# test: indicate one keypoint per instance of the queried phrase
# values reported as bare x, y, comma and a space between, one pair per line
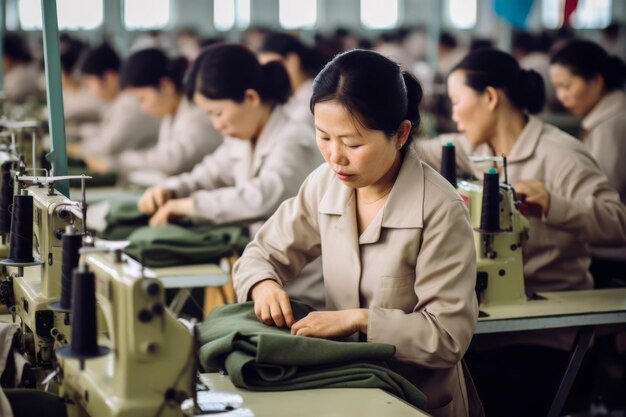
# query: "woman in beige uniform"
575, 205
123, 125
589, 84
186, 135
264, 158
395, 239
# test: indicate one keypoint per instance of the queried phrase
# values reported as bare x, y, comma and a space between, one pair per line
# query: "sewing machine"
500, 276
151, 369
500, 267
37, 285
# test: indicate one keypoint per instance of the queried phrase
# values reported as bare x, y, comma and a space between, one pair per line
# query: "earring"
399, 146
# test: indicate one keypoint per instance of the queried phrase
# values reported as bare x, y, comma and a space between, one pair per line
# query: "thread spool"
448, 163
70, 243
84, 344
6, 199
21, 238
490, 211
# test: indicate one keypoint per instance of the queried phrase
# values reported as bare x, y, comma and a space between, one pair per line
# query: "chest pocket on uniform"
396, 292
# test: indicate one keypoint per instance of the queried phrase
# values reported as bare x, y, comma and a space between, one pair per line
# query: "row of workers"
377, 199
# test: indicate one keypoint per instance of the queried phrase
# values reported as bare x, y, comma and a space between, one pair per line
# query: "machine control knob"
145, 315
151, 288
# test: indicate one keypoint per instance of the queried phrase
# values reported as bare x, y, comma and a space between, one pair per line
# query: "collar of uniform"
610, 105
403, 208
527, 141
268, 134
265, 142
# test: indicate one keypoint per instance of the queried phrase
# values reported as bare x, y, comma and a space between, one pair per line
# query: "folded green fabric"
98, 179
122, 219
171, 245
267, 358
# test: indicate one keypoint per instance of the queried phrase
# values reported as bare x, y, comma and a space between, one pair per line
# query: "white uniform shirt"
21, 82
123, 126
184, 139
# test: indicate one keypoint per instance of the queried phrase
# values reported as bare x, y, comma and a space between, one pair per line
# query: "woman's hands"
332, 324
179, 207
271, 304
534, 193
153, 198
272, 307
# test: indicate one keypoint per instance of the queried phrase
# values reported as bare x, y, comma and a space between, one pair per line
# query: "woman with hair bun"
185, 133
262, 162
589, 83
302, 64
493, 100
394, 237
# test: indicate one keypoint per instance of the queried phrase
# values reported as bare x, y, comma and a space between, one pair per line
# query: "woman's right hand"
152, 199
271, 304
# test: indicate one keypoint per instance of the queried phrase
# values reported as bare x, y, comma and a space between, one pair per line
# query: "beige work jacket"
604, 136
123, 126
584, 210
413, 268
184, 140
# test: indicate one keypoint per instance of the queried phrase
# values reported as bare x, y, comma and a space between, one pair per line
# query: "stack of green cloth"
98, 179
123, 219
267, 358
170, 245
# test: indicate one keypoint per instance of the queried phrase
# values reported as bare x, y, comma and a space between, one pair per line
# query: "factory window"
229, 14
460, 14
146, 14
379, 14
71, 14
589, 14
297, 14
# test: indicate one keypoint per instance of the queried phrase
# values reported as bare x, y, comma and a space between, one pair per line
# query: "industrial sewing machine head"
151, 368
499, 231
43, 222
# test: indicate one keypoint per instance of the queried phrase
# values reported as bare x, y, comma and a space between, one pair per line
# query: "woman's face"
230, 118
359, 156
158, 102
470, 110
577, 94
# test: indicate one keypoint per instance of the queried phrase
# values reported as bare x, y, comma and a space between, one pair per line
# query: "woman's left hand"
332, 324
97, 164
179, 207
534, 192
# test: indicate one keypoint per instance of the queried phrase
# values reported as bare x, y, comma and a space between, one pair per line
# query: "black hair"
226, 71
526, 42
587, 59
447, 39
487, 67
71, 50
99, 60
15, 48
146, 68
372, 88
311, 60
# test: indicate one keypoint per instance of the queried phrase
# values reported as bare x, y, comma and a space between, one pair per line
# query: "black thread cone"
448, 163
6, 199
71, 244
84, 331
21, 240
490, 211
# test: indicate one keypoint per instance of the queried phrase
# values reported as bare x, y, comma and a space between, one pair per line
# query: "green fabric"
266, 358
30, 402
99, 179
122, 219
171, 245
